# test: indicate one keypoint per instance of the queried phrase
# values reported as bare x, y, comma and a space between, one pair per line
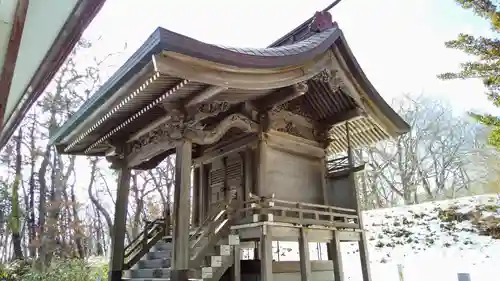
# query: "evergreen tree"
487, 64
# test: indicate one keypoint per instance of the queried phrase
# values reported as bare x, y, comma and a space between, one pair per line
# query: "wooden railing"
338, 164
135, 250
272, 209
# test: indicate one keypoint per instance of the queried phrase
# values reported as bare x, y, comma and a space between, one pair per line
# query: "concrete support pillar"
180, 263
119, 225
305, 261
266, 255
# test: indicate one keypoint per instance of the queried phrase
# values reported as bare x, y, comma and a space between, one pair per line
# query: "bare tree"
430, 162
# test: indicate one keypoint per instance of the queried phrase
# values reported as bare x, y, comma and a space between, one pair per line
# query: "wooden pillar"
256, 251
225, 183
261, 166
324, 182
237, 263
202, 192
335, 255
119, 225
305, 261
180, 264
363, 255
363, 249
266, 255
196, 196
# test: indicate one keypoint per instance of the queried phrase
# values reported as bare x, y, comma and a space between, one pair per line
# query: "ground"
433, 241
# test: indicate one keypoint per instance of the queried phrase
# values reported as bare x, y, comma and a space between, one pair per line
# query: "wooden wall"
293, 168
341, 192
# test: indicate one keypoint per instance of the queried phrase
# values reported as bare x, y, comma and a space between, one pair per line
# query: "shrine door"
226, 179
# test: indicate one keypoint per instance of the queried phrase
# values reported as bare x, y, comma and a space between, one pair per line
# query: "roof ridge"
306, 24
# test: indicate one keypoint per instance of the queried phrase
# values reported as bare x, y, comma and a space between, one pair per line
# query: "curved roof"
170, 68
162, 40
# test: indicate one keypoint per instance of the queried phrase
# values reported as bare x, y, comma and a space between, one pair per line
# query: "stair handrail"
147, 227
216, 227
152, 233
219, 207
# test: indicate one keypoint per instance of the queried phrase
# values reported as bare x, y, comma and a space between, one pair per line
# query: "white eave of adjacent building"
7, 10
48, 25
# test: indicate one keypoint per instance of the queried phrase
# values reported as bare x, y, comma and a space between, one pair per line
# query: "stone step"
159, 255
162, 247
148, 273
146, 279
224, 250
216, 261
206, 272
156, 279
155, 263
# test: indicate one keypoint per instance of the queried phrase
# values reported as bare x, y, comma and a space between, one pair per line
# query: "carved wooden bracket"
331, 77
293, 124
240, 121
324, 76
168, 135
211, 109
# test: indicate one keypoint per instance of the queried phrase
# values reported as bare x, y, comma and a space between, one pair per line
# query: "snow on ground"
433, 241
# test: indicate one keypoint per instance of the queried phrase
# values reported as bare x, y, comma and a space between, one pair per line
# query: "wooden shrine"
266, 135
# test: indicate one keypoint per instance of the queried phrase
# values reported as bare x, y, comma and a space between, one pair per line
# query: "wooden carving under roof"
175, 87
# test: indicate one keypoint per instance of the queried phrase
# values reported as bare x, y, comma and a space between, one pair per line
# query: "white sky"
398, 43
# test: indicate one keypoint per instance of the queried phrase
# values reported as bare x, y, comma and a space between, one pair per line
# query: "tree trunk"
138, 207
31, 195
15, 224
77, 225
94, 200
99, 235
42, 206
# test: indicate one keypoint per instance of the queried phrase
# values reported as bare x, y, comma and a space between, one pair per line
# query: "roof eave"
400, 125
167, 41
140, 59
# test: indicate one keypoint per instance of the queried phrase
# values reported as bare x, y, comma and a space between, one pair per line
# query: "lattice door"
216, 182
234, 173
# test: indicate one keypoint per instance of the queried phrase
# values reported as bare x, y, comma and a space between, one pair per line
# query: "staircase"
211, 250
